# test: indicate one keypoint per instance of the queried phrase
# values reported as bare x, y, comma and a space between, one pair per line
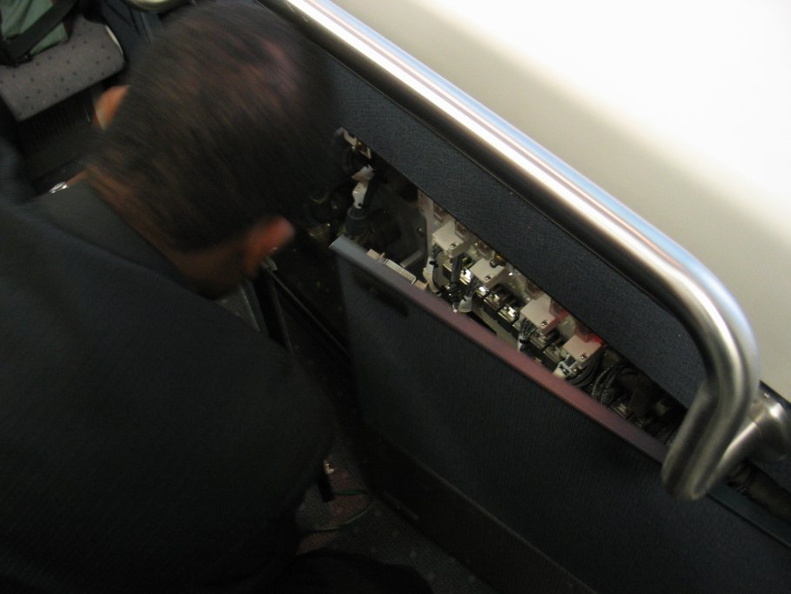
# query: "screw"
488, 277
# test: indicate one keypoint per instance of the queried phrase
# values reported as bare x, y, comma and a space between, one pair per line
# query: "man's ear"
108, 104
263, 240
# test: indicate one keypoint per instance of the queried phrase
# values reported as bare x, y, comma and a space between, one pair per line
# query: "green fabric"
18, 15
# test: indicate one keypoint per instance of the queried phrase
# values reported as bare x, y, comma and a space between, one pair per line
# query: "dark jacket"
149, 440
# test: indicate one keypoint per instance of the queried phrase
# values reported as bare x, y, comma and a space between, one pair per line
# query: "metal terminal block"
566, 368
481, 291
496, 299
582, 349
465, 278
449, 241
489, 272
543, 314
509, 313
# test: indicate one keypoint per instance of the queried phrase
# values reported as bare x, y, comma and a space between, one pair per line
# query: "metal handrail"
155, 5
664, 270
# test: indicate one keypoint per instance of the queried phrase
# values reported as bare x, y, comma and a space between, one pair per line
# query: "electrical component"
397, 268
431, 266
449, 240
543, 313
386, 215
582, 349
488, 272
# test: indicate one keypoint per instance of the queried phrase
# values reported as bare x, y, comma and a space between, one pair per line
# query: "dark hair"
227, 120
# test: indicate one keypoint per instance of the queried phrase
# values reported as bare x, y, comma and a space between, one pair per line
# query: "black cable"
585, 377
604, 389
455, 271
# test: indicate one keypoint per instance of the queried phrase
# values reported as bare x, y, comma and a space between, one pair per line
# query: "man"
14, 183
149, 440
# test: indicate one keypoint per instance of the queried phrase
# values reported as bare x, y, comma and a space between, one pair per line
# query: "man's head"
224, 127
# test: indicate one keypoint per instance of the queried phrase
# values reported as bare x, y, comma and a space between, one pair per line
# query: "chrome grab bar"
697, 458
155, 5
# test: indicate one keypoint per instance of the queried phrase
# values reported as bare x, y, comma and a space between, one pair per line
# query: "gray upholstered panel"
611, 305
587, 499
88, 57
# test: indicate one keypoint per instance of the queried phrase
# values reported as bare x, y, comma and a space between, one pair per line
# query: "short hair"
227, 121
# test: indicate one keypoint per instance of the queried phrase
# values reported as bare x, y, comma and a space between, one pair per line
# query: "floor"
356, 521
